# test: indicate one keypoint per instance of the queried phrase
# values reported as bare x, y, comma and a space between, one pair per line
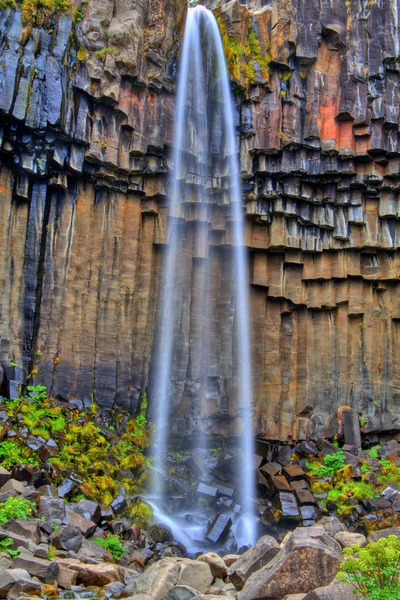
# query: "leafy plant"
374, 571
5, 547
12, 454
332, 463
52, 553
37, 391
15, 508
373, 453
111, 543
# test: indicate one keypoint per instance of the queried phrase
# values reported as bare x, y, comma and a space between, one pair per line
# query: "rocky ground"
72, 523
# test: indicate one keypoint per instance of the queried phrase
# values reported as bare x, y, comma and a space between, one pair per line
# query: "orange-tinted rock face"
84, 201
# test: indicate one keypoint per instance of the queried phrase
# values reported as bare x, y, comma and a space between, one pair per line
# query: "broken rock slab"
309, 559
219, 528
216, 563
335, 591
254, 559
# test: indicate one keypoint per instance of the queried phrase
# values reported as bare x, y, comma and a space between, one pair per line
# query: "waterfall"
204, 139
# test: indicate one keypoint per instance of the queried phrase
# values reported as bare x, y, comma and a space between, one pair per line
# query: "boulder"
27, 528
97, 574
256, 557
45, 570
4, 476
18, 541
216, 563
384, 533
332, 525
165, 574
12, 487
66, 577
335, 591
86, 526
180, 592
309, 559
52, 509
9, 577
87, 508
67, 538
114, 589
24, 588
347, 539
229, 559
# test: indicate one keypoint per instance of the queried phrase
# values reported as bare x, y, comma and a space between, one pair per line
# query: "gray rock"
332, 525
9, 577
347, 539
180, 592
45, 570
67, 538
384, 533
335, 591
52, 509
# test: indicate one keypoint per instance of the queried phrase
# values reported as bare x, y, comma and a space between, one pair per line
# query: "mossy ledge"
246, 62
39, 12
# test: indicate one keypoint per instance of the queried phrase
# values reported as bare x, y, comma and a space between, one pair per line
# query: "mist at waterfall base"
205, 174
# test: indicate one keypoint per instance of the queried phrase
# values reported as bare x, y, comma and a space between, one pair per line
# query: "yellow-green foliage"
86, 447
104, 51
374, 570
39, 12
241, 57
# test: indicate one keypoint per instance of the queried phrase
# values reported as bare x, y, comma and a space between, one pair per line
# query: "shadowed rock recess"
86, 126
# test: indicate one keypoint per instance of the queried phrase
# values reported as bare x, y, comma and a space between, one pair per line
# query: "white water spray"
192, 130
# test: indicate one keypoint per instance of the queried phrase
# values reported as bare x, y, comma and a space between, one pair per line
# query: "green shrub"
332, 464
15, 508
5, 547
12, 454
373, 453
111, 543
373, 570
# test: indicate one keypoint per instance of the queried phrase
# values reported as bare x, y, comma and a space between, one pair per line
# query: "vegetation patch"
101, 452
243, 59
113, 544
40, 12
374, 571
15, 508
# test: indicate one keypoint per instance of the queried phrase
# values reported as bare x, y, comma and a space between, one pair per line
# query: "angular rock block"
309, 559
252, 560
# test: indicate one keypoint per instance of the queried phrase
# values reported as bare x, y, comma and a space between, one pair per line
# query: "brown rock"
309, 559
216, 564
45, 570
88, 574
252, 560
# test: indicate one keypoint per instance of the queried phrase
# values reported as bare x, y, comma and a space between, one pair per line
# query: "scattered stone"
19, 541
278, 483
52, 509
86, 526
229, 559
207, 490
4, 476
9, 577
45, 570
347, 539
309, 559
115, 589
286, 503
216, 564
119, 504
67, 538
66, 488
219, 528
165, 574
304, 496
332, 525
335, 591
326, 447
27, 528
22, 588
384, 533
88, 509
270, 469
181, 592
97, 574
252, 560
306, 448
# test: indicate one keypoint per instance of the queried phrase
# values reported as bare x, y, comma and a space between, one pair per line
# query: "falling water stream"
202, 61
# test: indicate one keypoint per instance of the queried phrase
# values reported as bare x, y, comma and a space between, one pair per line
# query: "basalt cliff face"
86, 125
